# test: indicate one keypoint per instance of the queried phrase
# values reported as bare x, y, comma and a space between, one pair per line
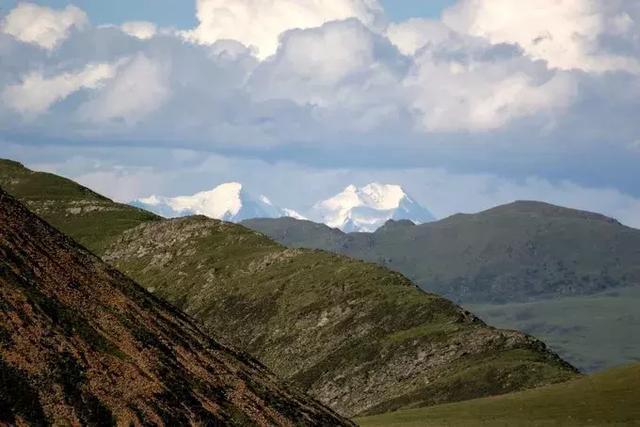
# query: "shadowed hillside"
82, 344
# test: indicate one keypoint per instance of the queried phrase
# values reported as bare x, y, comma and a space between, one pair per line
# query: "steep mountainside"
611, 398
354, 335
516, 252
70, 207
80, 344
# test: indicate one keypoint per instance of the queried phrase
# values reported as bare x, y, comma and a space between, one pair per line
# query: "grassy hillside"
93, 220
81, 344
354, 335
609, 398
512, 253
567, 277
357, 336
592, 332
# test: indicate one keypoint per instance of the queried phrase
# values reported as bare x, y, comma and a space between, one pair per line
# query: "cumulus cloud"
568, 34
259, 23
138, 89
41, 25
411, 35
141, 29
485, 89
341, 67
36, 93
351, 92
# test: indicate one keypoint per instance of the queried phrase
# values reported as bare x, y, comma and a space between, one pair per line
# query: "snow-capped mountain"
368, 208
227, 202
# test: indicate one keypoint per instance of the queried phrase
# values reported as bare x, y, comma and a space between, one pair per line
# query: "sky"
465, 103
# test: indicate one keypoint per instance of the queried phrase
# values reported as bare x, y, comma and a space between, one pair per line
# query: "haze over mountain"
81, 344
356, 336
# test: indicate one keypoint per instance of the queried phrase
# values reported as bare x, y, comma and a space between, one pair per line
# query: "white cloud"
338, 94
259, 23
485, 88
42, 26
351, 73
139, 88
35, 94
140, 29
567, 34
409, 36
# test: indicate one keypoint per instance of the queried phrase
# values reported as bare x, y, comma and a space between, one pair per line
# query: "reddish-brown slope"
82, 344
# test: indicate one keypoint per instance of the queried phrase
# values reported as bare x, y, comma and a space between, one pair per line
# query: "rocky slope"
512, 253
356, 336
80, 344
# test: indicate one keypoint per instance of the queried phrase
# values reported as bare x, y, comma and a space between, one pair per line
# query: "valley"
594, 332
608, 398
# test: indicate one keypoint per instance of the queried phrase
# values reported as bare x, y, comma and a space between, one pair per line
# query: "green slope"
354, 335
359, 337
93, 220
610, 398
512, 253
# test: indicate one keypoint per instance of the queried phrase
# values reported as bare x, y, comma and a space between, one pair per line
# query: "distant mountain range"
355, 209
354, 335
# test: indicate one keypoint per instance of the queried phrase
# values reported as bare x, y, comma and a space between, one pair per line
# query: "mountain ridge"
354, 335
362, 339
523, 265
